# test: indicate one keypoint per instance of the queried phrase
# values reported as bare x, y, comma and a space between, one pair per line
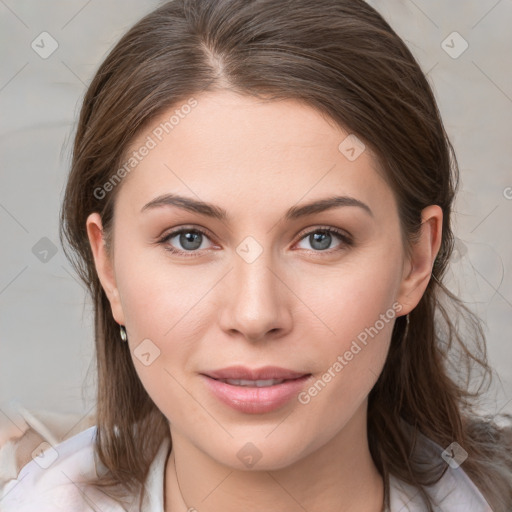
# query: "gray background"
45, 317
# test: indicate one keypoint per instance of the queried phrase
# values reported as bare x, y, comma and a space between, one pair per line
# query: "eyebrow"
295, 212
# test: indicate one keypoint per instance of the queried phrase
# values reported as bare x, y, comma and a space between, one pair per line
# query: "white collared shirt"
50, 483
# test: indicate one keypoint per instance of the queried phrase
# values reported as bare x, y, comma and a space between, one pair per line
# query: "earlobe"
423, 254
104, 265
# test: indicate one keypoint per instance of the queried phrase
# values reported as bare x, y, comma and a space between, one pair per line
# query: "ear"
104, 266
418, 268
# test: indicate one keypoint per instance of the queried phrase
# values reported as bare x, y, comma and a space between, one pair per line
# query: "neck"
338, 476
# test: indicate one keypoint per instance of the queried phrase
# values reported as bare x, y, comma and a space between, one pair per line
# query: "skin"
295, 306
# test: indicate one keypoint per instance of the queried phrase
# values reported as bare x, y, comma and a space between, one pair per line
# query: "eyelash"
346, 240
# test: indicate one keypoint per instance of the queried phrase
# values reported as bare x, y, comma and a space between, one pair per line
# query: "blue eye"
191, 239
321, 238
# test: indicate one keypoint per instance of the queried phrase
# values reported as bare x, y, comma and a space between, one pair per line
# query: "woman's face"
266, 285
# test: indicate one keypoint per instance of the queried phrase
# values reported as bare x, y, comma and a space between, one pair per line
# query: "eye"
191, 239
322, 237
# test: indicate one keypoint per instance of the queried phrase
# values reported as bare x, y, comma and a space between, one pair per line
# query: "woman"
260, 204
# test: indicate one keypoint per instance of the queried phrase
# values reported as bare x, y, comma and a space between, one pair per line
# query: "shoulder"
454, 492
53, 480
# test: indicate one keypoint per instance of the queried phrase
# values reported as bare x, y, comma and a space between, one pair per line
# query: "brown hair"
344, 60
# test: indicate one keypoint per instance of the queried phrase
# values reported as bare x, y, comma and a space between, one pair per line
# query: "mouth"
255, 395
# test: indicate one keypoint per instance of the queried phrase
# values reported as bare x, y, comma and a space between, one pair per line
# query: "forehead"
223, 145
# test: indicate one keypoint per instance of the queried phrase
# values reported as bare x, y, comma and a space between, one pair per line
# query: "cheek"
352, 352
159, 311
157, 296
166, 316
358, 310
353, 296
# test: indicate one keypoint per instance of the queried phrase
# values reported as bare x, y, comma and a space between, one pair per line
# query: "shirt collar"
455, 491
154, 497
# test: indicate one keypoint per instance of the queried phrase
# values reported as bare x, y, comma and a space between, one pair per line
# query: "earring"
122, 330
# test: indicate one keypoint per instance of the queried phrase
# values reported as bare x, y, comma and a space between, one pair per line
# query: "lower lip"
254, 400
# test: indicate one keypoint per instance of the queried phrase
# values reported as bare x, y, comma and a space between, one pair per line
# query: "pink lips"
252, 399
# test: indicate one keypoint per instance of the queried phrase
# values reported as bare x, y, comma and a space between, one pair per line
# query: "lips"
257, 374
255, 391
256, 396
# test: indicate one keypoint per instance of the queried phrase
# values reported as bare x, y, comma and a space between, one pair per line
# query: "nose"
257, 305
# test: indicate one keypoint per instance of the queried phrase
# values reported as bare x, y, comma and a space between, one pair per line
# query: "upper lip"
264, 373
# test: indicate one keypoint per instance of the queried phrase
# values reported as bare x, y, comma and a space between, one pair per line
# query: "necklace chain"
189, 508
178, 482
